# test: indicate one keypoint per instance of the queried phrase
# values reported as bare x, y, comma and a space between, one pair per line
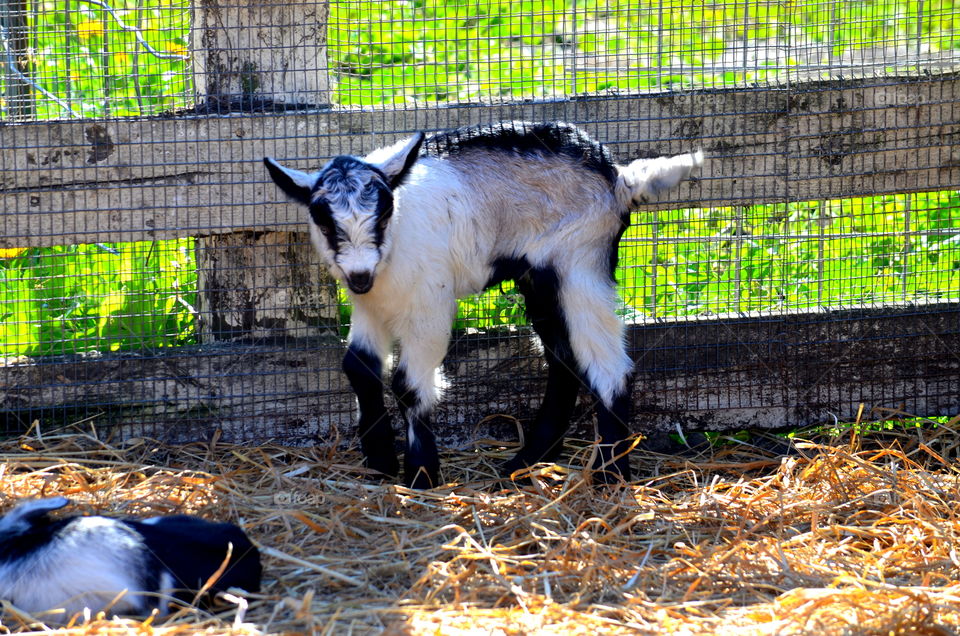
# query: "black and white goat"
123, 565
411, 228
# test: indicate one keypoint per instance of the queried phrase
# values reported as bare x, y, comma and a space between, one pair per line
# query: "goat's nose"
360, 282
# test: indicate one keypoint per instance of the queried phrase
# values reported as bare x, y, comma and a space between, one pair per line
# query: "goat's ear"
21, 519
297, 185
395, 161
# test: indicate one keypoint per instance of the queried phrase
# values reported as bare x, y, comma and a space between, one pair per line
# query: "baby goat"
411, 228
124, 565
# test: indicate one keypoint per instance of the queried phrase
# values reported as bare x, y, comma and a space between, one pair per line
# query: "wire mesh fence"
154, 280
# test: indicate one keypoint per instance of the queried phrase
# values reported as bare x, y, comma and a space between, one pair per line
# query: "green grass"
844, 253
403, 52
103, 297
691, 262
419, 51
86, 64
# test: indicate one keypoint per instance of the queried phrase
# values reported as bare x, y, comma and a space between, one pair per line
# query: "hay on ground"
847, 534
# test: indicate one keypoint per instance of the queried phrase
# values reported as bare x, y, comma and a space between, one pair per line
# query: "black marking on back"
526, 138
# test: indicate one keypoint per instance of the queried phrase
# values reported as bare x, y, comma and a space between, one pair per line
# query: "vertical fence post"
261, 53
13, 17
256, 55
263, 286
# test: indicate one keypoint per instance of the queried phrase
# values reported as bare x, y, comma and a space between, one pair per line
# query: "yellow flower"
89, 29
10, 252
177, 49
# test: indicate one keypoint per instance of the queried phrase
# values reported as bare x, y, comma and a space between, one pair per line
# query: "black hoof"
422, 478
385, 463
511, 466
421, 465
611, 472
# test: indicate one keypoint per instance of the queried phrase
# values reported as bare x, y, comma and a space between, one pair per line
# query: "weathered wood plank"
732, 373
122, 180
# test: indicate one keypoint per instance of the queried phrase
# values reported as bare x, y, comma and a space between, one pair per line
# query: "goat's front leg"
363, 366
415, 384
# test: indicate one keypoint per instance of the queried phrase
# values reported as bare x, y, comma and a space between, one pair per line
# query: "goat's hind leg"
544, 440
363, 366
597, 340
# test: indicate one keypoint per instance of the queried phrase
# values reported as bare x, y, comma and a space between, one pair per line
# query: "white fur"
596, 334
390, 158
452, 219
644, 180
96, 560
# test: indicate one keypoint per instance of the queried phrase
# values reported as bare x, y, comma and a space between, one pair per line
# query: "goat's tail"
643, 180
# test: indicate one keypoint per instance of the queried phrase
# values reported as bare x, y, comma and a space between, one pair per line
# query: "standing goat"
413, 227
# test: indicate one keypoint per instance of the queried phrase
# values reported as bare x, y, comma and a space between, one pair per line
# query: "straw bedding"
851, 534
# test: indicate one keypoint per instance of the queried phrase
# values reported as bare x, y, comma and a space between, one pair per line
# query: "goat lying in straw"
413, 227
124, 566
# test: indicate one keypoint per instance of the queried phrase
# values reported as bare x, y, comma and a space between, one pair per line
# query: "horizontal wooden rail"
725, 373
85, 181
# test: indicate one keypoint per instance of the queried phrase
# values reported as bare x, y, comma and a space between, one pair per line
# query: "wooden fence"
199, 174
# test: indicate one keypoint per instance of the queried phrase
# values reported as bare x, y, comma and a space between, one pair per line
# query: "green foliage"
102, 297
850, 252
401, 51
417, 51
683, 262
80, 54
708, 261
901, 424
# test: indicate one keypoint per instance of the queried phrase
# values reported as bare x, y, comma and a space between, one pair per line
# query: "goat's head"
351, 203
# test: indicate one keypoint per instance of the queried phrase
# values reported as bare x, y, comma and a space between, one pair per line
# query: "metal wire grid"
87, 58
159, 360
72, 58
404, 53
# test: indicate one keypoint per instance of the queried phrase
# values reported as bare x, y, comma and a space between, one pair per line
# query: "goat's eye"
325, 230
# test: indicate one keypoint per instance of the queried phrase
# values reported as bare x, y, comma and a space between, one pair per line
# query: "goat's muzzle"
360, 282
